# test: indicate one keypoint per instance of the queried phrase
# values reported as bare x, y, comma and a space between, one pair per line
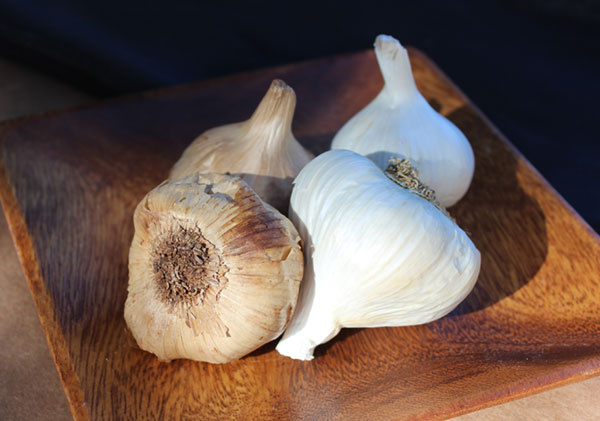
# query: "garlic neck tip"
280, 94
278, 85
295, 349
394, 64
387, 44
276, 109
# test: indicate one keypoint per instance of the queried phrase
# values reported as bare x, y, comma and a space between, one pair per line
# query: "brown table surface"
29, 384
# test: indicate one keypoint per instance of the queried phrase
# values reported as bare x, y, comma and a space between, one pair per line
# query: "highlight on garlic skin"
399, 122
376, 254
262, 150
214, 271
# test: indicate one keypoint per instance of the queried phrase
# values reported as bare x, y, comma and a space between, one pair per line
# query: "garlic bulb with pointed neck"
400, 123
376, 254
262, 150
214, 271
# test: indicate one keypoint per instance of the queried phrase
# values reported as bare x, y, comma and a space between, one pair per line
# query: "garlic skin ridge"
261, 150
375, 254
214, 272
400, 123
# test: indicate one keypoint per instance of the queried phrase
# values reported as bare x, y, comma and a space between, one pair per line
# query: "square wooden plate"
69, 182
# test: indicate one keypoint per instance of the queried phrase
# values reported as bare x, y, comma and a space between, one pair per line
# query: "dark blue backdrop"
532, 66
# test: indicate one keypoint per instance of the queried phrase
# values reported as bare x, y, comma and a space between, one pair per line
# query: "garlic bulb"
214, 272
376, 254
400, 123
261, 150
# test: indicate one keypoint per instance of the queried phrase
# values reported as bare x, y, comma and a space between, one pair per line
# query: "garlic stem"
272, 119
395, 67
309, 328
302, 343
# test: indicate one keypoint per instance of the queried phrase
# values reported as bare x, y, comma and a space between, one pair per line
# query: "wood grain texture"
70, 182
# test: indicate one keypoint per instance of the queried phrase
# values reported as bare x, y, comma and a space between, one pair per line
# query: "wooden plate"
69, 183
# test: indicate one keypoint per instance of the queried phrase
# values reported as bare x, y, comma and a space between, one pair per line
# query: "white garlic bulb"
214, 271
400, 123
376, 254
261, 150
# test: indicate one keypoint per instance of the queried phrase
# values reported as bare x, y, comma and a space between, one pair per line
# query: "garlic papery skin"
400, 123
214, 271
376, 254
262, 150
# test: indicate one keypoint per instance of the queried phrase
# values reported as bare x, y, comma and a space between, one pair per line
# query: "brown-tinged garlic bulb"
214, 271
261, 150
